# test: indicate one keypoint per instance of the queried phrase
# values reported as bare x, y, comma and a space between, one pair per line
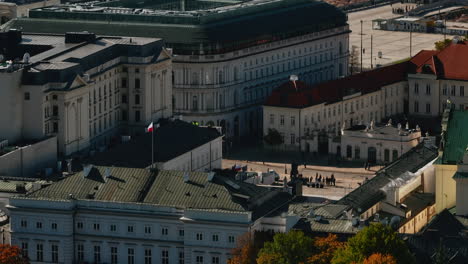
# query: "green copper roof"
456, 138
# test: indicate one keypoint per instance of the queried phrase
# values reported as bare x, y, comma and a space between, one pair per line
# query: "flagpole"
152, 148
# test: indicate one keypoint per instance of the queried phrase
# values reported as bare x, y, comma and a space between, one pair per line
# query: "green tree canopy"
376, 238
273, 137
290, 248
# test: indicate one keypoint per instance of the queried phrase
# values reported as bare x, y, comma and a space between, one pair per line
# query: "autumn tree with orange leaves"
378, 258
248, 246
325, 248
12, 255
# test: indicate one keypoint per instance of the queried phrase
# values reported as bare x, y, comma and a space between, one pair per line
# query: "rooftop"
211, 30
163, 188
455, 138
60, 58
137, 152
371, 192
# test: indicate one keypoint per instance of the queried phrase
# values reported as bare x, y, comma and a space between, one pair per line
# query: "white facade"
428, 95
206, 157
116, 97
377, 144
227, 89
311, 128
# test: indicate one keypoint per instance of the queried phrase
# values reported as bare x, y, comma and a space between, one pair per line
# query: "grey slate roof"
164, 188
171, 139
370, 192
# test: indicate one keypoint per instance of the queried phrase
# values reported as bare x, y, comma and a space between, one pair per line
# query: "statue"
407, 126
389, 123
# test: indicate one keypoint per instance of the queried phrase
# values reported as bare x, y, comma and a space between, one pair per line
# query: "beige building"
83, 89
451, 165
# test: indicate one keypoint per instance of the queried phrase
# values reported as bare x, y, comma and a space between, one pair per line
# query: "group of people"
400, 10
319, 180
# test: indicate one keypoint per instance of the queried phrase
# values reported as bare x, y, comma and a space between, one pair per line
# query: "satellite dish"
26, 57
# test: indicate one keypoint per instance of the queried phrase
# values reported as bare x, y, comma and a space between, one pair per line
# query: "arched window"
394, 155
349, 152
386, 155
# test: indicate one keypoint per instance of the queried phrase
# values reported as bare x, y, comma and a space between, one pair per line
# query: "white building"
178, 145
231, 54
111, 215
83, 89
311, 117
377, 144
438, 77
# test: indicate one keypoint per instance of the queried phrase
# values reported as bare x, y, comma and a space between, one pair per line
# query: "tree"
440, 45
325, 248
248, 247
290, 248
12, 255
273, 137
378, 258
376, 238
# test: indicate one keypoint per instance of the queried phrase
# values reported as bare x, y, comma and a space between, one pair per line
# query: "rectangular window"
39, 225
416, 88
199, 236
293, 139
55, 127
113, 228
124, 98
165, 256
215, 238
452, 92
24, 223
462, 90
416, 106
79, 225
80, 252
444, 90
97, 254
428, 89
181, 232
124, 83
148, 255
130, 229
282, 120
39, 252
54, 253
181, 257
147, 229
24, 248
131, 256
55, 110
164, 231
199, 260
293, 120
272, 119
96, 226
428, 108
215, 260
137, 116
231, 239
27, 96
54, 226
114, 255
137, 83
137, 99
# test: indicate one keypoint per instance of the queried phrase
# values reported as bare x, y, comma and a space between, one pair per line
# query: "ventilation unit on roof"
186, 177
233, 185
107, 172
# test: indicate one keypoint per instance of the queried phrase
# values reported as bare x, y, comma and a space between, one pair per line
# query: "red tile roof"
450, 63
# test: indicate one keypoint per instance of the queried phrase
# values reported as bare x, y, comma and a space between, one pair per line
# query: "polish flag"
150, 128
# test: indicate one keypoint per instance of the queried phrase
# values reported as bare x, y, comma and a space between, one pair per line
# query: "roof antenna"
294, 78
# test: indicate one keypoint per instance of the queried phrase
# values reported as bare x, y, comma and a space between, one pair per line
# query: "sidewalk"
360, 171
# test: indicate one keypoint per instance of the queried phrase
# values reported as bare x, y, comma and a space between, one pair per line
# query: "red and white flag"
150, 128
